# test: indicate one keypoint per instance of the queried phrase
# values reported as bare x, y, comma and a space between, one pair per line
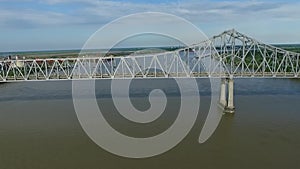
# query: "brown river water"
39, 128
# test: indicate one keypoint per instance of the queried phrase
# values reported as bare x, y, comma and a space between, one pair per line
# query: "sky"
27, 25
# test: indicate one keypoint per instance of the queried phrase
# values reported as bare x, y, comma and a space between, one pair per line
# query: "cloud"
33, 18
96, 11
198, 11
269, 21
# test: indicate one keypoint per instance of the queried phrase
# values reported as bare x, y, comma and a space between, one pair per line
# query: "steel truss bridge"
228, 55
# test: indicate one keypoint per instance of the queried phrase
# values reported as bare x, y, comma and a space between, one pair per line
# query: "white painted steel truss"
247, 57
230, 54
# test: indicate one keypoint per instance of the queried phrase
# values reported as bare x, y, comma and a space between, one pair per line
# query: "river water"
39, 128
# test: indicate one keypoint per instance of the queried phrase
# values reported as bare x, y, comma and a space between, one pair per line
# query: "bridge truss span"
245, 56
180, 63
228, 55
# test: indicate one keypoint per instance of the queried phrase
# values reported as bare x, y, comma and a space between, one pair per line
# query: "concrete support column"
223, 100
230, 105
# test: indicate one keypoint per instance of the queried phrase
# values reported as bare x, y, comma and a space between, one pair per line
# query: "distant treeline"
289, 47
111, 52
89, 52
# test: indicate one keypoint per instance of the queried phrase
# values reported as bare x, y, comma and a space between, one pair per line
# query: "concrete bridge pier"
227, 96
230, 105
223, 100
